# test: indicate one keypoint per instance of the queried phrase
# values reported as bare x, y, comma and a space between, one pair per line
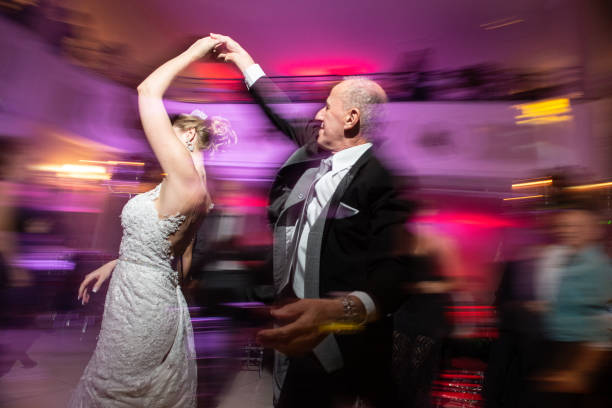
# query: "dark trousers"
514, 357
308, 385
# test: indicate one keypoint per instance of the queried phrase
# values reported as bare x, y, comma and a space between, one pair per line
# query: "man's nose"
319, 115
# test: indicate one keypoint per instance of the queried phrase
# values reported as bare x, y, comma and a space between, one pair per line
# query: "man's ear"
352, 118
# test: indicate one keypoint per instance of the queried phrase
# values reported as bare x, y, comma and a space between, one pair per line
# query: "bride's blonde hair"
212, 133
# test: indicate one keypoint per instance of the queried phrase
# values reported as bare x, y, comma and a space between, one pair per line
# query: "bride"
145, 353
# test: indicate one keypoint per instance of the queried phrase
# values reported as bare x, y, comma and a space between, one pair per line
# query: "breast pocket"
345, 211
349, 224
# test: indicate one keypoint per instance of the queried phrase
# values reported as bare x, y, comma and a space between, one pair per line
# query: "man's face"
332, 116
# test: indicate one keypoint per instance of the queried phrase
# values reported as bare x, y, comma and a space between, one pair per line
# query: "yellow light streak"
545, 120
85, 176
113, 162
544, 108
75, 171
70, 168
340, 327
538, 183
544, 112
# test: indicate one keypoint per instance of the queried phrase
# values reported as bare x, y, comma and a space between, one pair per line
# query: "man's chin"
326, 144
327, 148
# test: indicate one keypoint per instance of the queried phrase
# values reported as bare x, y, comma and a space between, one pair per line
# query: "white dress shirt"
325, 187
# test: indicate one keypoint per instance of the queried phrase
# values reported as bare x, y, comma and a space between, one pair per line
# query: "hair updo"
212, 133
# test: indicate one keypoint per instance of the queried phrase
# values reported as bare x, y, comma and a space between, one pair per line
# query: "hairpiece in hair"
222, 134
199, 114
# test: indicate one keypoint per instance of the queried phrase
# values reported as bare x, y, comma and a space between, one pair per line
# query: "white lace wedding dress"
145, 353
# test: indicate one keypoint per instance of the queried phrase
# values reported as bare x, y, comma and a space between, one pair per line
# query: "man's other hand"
302, 325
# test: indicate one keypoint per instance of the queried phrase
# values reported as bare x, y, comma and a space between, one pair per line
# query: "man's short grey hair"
367, 96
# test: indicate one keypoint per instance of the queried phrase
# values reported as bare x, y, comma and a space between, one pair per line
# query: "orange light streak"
537, 183
523, 197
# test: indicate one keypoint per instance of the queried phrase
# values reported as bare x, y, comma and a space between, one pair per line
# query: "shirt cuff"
252, 74
368, 304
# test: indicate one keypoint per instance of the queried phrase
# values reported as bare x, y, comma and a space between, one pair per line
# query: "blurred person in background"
19, 295
11, 172
532, 259
336, 212
554, 341
7, 219
145, 353
525, 255
575, 356
420, 325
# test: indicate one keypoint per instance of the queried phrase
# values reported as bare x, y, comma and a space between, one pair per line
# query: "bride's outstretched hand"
98, 277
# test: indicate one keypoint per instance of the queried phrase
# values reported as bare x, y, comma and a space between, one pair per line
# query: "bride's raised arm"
171, 153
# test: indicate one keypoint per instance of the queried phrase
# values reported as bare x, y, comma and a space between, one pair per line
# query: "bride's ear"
191, 135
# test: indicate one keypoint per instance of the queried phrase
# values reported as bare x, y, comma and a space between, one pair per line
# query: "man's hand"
230, 51
303, 325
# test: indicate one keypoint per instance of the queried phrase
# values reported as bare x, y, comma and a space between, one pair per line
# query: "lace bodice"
145, 234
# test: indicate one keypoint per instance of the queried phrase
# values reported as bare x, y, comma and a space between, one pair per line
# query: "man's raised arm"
300, 130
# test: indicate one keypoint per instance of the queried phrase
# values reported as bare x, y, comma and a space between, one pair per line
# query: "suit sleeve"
268, 96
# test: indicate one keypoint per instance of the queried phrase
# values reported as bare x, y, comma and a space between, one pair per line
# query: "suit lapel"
346, 182
299, 191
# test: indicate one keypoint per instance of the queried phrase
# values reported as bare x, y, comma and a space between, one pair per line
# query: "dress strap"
155, 192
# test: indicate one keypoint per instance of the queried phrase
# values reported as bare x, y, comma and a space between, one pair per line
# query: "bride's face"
187, 137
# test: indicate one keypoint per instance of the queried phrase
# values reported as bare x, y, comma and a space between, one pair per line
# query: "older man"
335, 212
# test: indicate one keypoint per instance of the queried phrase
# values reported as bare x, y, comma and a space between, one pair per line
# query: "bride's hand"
99, 276
203, 46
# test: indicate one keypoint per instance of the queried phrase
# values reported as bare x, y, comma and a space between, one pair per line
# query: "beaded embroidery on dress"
145, 356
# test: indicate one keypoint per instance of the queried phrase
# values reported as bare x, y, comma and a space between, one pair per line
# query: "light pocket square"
345, 211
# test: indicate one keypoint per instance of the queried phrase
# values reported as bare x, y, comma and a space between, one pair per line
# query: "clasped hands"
224, 48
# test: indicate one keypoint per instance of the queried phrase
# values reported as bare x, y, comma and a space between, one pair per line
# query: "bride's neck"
198, 161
